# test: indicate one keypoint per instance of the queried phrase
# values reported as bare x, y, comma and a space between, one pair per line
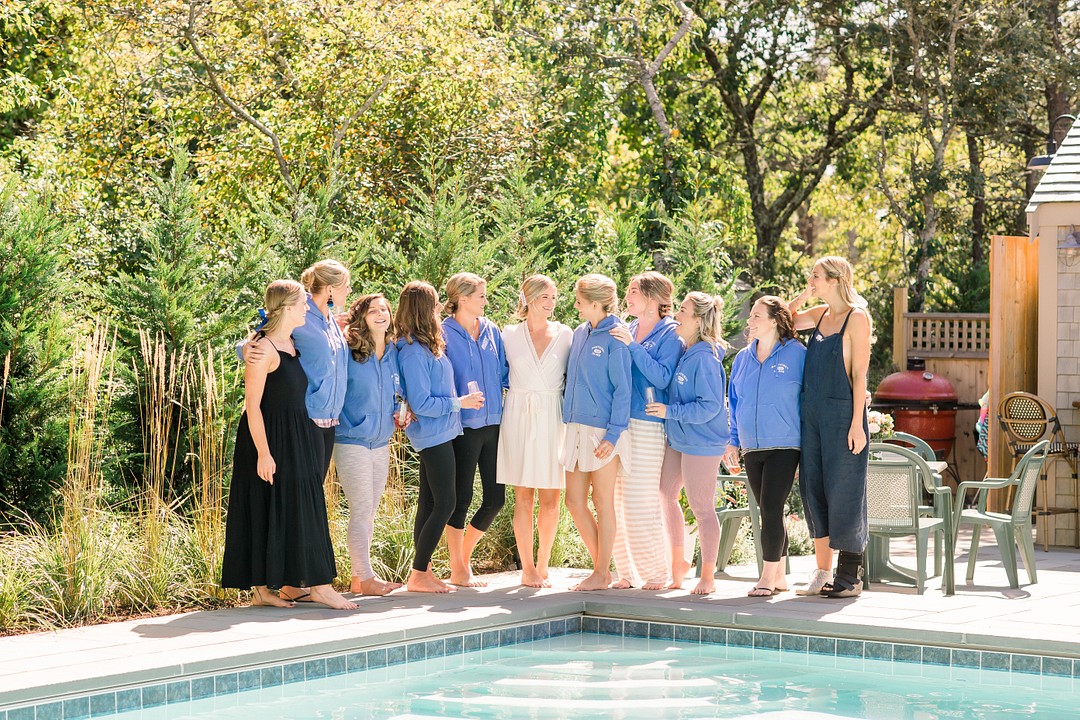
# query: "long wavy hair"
357, 332
656, 286
418, 317
839, 269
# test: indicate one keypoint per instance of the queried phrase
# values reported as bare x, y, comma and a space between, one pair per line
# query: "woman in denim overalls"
832, 475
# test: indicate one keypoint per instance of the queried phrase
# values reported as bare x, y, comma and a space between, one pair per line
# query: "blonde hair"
531, 288
655, 286
279, 294
461, 285
839, 269
325, 273
417, 318
599, 288
357, 332
709, 309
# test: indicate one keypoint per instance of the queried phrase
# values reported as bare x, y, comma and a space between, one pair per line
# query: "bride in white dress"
530, 440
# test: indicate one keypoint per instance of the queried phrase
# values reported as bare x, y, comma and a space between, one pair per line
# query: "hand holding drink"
731, 462
475, 399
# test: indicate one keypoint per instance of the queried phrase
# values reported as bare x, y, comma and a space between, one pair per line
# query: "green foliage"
34, 343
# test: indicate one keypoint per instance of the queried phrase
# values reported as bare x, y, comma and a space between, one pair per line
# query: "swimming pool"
595, 675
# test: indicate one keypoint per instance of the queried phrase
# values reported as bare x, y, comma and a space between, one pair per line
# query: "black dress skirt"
278, 534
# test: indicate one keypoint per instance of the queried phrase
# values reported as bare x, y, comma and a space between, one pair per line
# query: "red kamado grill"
921, 403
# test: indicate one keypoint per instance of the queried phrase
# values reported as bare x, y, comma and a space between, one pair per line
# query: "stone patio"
1043, 618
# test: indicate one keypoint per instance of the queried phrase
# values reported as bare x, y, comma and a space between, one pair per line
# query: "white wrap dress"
531, 436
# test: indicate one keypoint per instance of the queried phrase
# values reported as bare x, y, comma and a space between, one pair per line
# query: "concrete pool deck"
1041, 619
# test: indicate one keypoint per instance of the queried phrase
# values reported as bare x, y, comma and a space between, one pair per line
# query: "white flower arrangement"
881, 425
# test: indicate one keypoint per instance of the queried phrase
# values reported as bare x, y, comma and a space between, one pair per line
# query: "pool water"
601, 676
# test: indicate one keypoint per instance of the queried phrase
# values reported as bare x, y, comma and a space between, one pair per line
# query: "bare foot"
679, 568
532, 578
293, 593
373, 586
466, 579
621, 584
262, 597
543, 570
596, 581
705, 586
653, 586
426, 582
331, 598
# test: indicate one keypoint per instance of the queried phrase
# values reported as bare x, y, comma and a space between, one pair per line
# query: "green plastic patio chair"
1012, 528
895, 481
730, 522
940, 503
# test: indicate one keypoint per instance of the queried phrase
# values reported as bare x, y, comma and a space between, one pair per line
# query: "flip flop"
304, 598
771, 591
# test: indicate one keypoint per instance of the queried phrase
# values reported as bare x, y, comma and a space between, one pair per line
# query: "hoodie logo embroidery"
680, 378
648, 344
781, 368
597, 351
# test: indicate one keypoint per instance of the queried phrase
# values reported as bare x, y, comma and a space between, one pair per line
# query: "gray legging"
362, 473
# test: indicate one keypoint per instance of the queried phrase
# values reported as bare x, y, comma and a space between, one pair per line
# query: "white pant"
362, 474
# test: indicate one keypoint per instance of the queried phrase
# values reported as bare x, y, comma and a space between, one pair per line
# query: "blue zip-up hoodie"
428, 384
368, 416
654, 359
482, 360
697, 418
598, 385
324, 355
764, 397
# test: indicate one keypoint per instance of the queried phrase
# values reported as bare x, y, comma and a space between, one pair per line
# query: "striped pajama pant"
639, 550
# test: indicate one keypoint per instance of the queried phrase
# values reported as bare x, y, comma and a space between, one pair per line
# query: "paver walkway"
1042, 618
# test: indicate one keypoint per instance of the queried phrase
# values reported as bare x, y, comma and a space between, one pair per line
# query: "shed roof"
1061, 181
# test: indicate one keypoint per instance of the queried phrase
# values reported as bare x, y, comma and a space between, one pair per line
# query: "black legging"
474, 447
770, 474
436, 502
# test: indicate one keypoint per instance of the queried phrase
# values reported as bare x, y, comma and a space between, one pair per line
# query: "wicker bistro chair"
1012, 528
895, 480
1026, 420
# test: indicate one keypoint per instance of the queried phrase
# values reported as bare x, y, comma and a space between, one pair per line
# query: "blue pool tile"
224, 684
769, 640
849, 648
395, 655
272, 676
714, 635
1057, 666
661, 631
908, 653
376, 658
688, 633
823, 645
77, 708
50, 711
472, 642
179, 691
507, 636
453, 645
541, 631
965, 658
557, 627
525, 633
434, 648
573, 624
794, 643
878, 650
936, 656
245, 680
741, 638
203, 688
336, 665
415, 651
153, 695
633, 628
489, 639
356, 662
589, 624
290, 673
610, 626
995, 661
103, 704
23, 713
314, 669
1026, 663
128, 700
